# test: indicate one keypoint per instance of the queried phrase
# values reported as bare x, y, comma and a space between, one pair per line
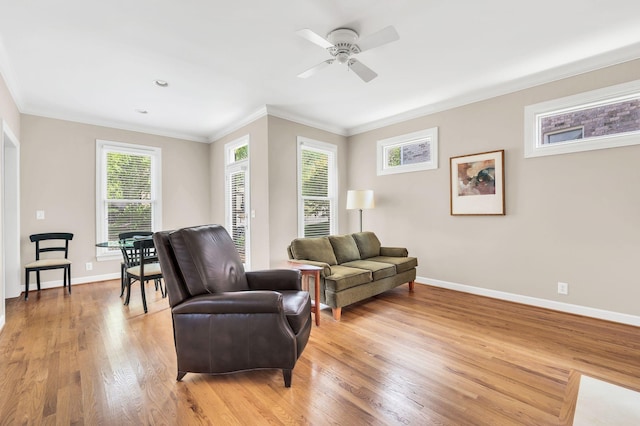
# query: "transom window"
604, 118
408, 153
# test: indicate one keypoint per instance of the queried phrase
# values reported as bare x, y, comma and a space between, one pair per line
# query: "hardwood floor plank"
433, 356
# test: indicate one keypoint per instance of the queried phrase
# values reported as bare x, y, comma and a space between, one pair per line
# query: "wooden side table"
310, 271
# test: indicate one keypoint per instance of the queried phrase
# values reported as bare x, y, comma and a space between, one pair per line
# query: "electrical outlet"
40, 214
563, 288
89, 266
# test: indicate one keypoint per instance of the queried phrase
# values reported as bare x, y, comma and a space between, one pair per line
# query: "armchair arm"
274, 279
240, 302
394, 251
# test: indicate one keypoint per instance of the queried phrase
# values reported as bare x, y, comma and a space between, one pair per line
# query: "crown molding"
92, 121
279, 113
287, 115
259, 113
607, 59
7, 76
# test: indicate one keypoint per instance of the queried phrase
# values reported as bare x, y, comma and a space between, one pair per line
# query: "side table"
310, 271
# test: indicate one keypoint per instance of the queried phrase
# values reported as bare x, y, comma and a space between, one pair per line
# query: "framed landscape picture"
477, 184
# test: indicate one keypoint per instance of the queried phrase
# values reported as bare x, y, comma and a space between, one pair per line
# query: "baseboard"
74, 281
2, 320
534, 301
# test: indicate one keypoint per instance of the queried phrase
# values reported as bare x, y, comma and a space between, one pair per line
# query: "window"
563, 135
604, 118
317, 188
408, 153
128, 191
237, 195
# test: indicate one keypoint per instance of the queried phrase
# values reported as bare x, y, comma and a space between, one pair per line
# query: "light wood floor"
430, 357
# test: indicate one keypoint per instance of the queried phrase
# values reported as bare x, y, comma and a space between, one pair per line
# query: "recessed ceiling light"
160, 83
142, 111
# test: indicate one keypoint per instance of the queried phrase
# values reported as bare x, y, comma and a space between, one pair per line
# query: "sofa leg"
336, 313
181, 374
287, 378
411, 285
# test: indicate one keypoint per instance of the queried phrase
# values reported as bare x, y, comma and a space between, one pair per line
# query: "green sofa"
354, 267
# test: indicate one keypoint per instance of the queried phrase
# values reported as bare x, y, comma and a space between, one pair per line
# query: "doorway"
10, 224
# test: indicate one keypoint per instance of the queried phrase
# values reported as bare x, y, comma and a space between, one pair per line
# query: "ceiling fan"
343, 44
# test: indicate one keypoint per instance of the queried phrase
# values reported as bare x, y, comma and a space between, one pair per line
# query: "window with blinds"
128, 200
316, 186
237, 195
128, 181
238, 216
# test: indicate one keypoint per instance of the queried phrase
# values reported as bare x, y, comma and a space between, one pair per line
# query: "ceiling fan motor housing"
343, 40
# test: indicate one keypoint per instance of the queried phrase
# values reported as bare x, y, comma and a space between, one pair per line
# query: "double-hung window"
317, 188
237, 195
128, 191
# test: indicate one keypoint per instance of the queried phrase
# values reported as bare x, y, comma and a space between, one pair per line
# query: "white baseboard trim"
534, 301
74, 281
2, 320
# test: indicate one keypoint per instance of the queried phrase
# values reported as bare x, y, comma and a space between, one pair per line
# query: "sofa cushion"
345, 248
343, 277
379, 270
401, 263
318, 249
368, 244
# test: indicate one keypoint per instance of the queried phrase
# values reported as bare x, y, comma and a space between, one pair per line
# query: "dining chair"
125, 236
46, 243
143, 266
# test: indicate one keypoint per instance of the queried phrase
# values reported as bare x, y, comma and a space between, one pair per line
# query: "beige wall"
259, 191
571, 218
273, 183
283, 188
58, 167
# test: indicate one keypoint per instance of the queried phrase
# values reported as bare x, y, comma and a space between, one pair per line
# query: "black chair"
142, 265
126, 236
49, 242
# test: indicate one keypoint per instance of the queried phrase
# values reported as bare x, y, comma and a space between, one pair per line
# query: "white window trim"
102, 146
407, 139
533, 114
333, 181
232, 167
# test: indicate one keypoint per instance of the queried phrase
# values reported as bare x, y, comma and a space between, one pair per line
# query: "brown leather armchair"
226, 319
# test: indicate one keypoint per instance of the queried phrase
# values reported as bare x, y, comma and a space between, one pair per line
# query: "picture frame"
477, 184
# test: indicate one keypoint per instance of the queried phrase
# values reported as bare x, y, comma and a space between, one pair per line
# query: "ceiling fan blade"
311, 71
384, 36
314, 38
362, 71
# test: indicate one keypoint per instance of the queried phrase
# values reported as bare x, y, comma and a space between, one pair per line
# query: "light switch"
253, 214
40, 214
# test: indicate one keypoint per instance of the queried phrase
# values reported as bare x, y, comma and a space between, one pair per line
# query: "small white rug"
602, 403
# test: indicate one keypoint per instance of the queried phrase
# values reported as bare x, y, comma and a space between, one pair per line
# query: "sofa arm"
394, 251
239, 302
326, 269
274, 279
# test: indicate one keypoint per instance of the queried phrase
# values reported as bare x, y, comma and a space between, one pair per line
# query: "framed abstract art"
477, 184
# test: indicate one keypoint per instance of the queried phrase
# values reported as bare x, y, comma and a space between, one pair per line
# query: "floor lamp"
360, 199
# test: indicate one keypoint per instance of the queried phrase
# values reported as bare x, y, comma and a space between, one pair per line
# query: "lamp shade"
360, 199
